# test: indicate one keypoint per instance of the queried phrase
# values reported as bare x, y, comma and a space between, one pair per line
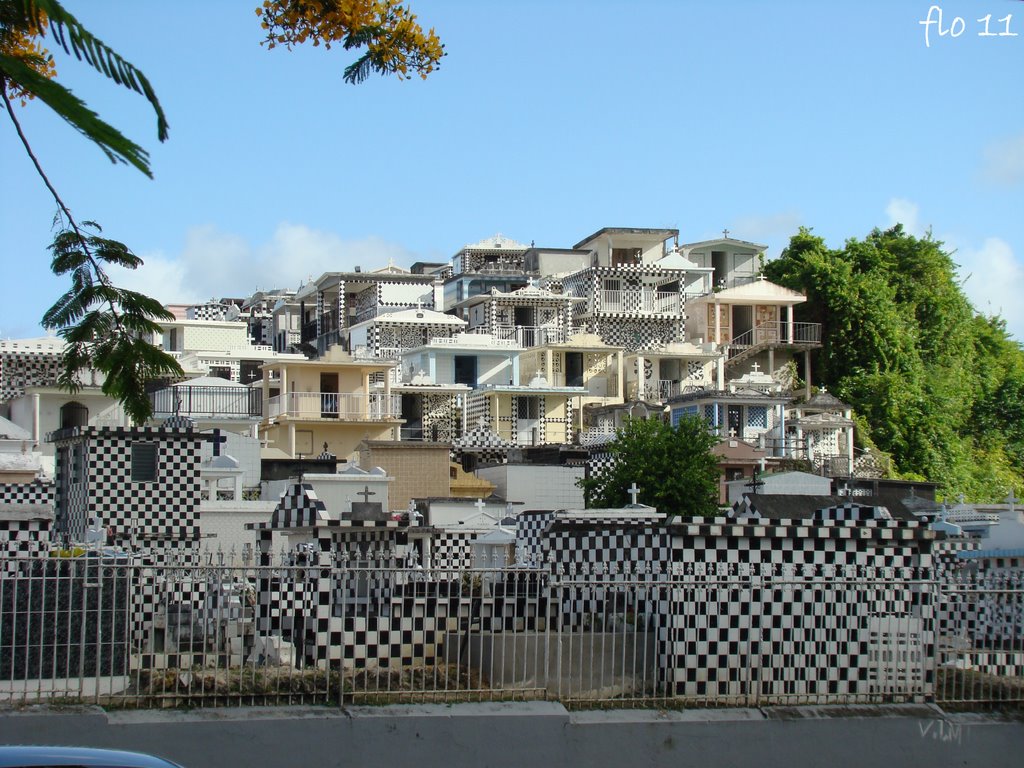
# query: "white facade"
536, 486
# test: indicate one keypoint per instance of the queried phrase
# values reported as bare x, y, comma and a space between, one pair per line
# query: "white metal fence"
205, 631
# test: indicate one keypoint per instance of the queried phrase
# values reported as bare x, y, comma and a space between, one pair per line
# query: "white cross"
419, 304
633, 492
529, 282
732, 432
755, 367
1011, 500
479, 505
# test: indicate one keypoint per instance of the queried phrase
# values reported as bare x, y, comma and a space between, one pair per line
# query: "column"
849, 443
789, 325
807, 373
718, 323
641, 381
291, 439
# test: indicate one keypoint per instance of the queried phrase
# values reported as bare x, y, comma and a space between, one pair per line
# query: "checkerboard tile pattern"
93, 479
22, 540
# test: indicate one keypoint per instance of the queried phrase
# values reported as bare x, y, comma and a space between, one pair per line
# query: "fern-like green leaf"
112, 142
75, 39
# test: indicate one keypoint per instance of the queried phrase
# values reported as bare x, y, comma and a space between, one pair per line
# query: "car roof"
86, 757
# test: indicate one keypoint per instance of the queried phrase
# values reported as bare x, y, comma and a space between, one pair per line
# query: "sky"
546, 122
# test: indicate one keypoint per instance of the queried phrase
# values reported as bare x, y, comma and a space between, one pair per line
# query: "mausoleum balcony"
207, 402
641, 302
322, 406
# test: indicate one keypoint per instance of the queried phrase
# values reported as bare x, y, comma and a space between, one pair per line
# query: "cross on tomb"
529, 282
218, 438
1011, 500
479, 505
419, 304
755, 368
725, 233
366, 493
634, 493
732, 432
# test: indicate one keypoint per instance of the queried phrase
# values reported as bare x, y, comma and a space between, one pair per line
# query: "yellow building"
327, 405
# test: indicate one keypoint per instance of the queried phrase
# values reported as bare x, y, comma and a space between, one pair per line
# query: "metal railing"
331, 405
527, 335
663, 389
776, 332
650, 302
208, 402
306, 627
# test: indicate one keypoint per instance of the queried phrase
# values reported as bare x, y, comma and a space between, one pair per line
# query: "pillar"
807, 373
849, 443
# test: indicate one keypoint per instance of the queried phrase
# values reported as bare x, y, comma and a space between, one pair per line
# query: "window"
465, 369
144, 462
250, 371
528, 408
573, 369
757, 416
73, 415
625, 256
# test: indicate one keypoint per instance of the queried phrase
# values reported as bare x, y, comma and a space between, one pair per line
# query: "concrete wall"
536, 486
537, 733
222, 523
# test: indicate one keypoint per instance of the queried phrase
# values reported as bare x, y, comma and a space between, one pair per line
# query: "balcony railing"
663, 389
647, 302
778, 333
372, 406
207, 402
529, 335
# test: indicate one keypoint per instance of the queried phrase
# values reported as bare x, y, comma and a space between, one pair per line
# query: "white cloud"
993, 278
218, 264
1003, 161
767, 226
905, 212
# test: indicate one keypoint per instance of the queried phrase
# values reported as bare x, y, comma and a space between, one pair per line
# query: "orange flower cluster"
22, 42
395, 43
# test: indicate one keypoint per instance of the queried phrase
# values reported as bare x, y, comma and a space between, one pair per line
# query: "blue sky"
546, 122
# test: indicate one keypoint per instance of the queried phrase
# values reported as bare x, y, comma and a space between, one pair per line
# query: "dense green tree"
673, 467
940, 388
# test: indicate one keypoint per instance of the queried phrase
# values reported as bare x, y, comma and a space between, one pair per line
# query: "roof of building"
415, 316
664, 234
781, 506
11, 431
824, 400
730, 240
496, 242
762, 289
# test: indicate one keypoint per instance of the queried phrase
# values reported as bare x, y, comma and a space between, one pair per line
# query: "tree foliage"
673, 467
394, 43
938, 385
25, 72
105, 327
